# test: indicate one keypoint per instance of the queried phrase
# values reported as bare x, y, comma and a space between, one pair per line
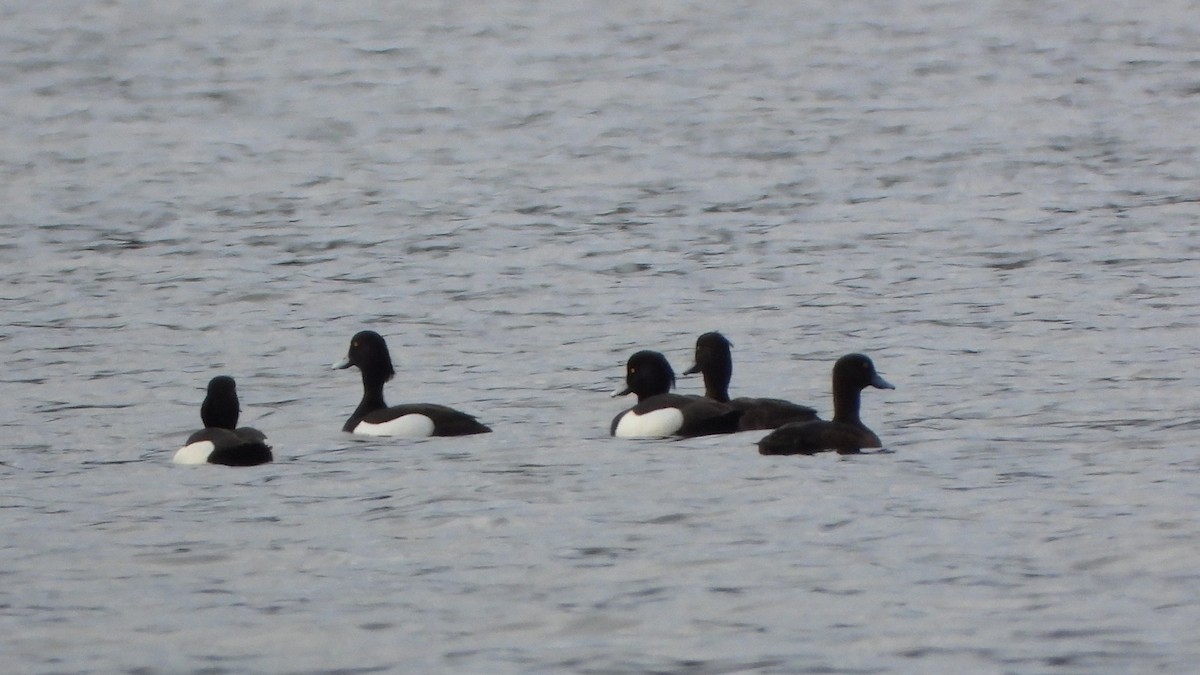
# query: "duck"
659, 413
373, 417
715, 363
845, 433
221, 441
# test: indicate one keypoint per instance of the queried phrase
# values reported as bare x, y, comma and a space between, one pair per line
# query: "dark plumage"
220, 441
845, 433
715, 362
369, 352
658, 412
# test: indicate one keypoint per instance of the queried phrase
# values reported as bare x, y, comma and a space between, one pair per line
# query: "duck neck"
845, 403
642, 395
716, 382
219, 414
372, 395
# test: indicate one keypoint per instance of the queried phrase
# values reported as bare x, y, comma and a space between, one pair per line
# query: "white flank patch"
196, 453
654, 424
407, 426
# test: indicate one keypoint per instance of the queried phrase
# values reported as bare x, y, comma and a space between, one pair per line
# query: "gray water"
997, 201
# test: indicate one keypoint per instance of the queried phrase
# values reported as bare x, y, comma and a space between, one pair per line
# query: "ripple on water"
983, 199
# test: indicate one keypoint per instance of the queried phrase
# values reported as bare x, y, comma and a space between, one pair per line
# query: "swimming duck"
369, 352
221, 441
845, 433
714, 361
659, 413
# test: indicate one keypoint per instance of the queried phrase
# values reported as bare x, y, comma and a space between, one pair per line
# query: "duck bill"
693, 370
880, 383
341, 365
622, 392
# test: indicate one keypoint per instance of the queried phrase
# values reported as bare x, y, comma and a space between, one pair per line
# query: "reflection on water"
996, 204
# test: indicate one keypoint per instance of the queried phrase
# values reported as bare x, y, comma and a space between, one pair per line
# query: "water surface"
996, 201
